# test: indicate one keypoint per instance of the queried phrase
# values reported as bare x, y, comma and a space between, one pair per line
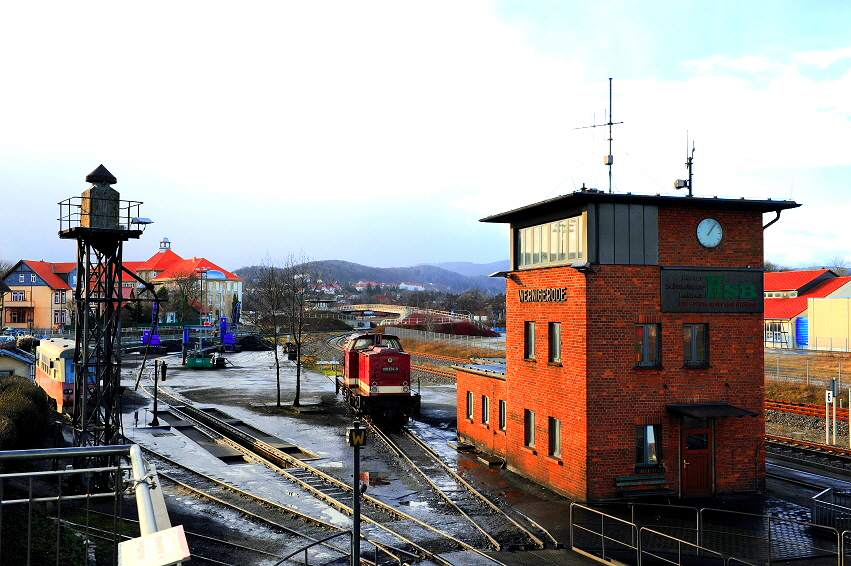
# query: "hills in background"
454, 277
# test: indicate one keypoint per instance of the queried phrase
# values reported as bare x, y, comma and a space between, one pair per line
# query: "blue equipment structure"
229, 339
150, 339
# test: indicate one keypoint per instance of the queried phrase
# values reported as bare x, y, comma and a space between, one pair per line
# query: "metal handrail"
680, 543
633, 544
311, 545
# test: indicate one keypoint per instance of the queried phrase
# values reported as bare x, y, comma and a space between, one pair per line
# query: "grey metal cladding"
651, 235
606, 232
623, 231
626, 233
591, 233
636, 233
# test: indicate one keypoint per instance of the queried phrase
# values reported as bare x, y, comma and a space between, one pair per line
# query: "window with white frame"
528, 428
554, 434
20, 277
486, 409
19, 296
59, 317
469, 405
529, 340
33, 278
554, 332
59, 297
558, 242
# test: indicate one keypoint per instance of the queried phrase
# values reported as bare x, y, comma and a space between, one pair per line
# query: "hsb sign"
711, 290
717, 289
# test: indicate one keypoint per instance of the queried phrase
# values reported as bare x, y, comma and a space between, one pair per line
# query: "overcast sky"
381, 132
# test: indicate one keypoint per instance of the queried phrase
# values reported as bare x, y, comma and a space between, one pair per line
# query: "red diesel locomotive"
377, 378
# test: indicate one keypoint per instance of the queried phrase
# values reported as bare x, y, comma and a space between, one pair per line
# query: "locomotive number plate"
390, 369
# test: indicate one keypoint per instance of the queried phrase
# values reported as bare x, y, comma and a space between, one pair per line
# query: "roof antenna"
608, 159
682, 183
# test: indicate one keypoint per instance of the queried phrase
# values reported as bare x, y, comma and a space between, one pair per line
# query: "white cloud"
822, 58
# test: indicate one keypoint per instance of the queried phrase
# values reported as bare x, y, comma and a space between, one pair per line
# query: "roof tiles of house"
160, 261
190, 266
790, 308
44, 269
790, 280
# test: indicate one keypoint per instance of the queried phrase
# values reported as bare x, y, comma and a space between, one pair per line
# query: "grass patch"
450, 350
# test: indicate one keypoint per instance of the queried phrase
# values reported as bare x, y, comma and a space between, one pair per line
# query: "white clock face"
709, 232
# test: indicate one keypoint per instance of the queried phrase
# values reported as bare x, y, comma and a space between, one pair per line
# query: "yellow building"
38, 295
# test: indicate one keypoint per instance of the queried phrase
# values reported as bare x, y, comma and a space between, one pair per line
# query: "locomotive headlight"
375, 384
404, 383
389, 360
373, 389
67, 391
405, 389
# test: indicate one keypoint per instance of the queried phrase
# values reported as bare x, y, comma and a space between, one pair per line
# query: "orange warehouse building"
634, 347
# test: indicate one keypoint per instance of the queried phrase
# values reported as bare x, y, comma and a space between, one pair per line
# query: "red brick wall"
596, 391
473, 430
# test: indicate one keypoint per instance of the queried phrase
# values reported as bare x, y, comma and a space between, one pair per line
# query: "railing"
315, 543
72, 214
602, 536
832, 508
47, 516
671, 550
682, 536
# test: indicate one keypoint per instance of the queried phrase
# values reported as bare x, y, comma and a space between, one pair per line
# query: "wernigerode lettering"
554, 295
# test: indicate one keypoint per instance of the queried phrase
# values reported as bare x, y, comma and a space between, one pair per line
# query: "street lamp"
202, 272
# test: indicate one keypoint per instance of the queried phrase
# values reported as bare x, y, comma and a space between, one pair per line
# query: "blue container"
802, 331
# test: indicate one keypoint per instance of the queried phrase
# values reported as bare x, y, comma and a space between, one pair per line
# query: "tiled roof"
44, 270
790, 280
159, 261
189, 266
790, 308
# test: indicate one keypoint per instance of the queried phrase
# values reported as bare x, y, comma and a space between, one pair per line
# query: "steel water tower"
100, 223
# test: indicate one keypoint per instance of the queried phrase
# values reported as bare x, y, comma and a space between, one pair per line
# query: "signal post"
356, 437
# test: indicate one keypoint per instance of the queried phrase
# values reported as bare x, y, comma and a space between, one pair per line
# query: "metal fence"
67, 510
662, 534
468, 343
797, 368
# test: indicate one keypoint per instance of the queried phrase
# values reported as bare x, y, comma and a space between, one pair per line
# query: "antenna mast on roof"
608, 159
682, 183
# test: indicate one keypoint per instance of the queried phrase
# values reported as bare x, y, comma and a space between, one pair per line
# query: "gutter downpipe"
773, 221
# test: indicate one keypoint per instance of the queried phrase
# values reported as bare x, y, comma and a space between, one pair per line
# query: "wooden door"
696, 465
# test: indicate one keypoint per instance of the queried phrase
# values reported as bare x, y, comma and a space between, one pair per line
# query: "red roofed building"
788, 296
39, 294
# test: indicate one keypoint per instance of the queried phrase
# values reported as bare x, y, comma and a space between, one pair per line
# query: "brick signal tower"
634, 347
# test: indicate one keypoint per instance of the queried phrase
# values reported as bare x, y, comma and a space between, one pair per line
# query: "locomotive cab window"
391, 342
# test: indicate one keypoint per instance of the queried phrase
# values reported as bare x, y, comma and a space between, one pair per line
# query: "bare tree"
269, 302
300, 279
5, 266
187, 289
840, 266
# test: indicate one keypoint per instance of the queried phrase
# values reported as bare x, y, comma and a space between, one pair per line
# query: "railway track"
494, 525
218, 551
384, 527
803, 409
825, 456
